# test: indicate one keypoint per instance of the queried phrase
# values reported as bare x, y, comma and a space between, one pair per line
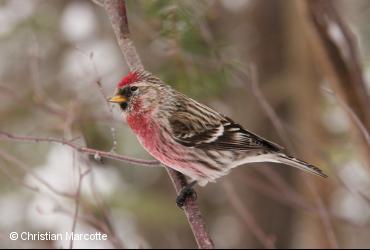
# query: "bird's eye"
133, 88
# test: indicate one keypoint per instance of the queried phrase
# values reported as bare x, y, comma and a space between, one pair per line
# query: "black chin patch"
123, 105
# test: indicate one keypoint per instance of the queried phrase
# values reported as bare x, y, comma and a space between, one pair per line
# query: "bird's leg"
186, 192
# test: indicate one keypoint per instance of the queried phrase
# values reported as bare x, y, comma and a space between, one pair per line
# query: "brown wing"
201, 127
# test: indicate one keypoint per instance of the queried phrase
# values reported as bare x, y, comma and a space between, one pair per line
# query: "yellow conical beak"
117, 99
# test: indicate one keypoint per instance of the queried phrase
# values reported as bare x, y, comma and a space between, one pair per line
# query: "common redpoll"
190, 137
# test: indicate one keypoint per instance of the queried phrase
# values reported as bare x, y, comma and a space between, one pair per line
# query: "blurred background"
255, 61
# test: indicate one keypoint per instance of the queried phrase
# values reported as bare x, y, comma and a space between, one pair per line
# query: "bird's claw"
185, 193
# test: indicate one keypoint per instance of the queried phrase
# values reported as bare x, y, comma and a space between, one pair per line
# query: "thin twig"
77, 202
77, 198
267, 241
351, 113
285, 199
98, 83
17, 180
324, 215
22, 165
98, 223
79, 148
252, 74
105, 216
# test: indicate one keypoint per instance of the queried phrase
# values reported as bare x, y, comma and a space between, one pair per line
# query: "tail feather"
285, 159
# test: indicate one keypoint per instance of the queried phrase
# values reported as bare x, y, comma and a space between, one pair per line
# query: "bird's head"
137, 92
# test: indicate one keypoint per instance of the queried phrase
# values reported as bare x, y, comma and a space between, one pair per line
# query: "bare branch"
77, 196
90, 151
116, 10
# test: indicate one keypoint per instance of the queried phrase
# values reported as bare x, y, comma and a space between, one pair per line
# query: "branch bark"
116, 10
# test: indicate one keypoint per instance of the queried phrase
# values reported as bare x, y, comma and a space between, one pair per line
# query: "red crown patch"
131, 77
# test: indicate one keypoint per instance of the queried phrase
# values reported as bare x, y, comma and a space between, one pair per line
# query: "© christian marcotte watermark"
40, 236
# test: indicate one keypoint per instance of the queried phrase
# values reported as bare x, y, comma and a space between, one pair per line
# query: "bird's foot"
185, 193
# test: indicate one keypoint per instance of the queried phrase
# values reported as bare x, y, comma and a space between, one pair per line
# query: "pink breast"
143, 127
148, 133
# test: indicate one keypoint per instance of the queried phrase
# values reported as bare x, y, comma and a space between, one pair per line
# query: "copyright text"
41, 236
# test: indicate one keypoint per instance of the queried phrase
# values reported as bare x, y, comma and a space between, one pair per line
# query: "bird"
190, 137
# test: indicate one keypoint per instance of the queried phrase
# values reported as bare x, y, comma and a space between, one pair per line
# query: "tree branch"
192, 212
90, 151
116, 10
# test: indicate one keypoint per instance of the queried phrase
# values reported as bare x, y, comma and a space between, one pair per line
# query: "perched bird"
190, 137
